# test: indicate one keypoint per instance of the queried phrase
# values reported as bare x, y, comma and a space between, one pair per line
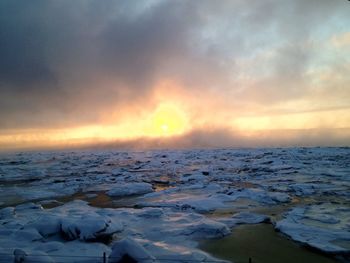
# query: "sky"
176, 73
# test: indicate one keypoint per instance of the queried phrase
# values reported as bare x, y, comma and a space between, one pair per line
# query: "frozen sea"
162, 205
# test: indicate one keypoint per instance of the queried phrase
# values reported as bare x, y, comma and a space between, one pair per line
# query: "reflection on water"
263, 245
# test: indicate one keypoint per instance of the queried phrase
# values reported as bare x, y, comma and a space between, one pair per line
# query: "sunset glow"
167, 120
125, 125
231, 71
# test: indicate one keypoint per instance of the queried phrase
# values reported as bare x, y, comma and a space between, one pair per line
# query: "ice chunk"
245, 218
27, 234
279, 197
89, 228
319, 226
250, 218
200, 203
47, 224
28, 206
130, 189
256, 194
7, 212
129, 248
302, 189
208, 229
193, 178
91, 195
151, 213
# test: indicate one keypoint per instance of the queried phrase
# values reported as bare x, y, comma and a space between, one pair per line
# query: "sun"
165, 127
167, 120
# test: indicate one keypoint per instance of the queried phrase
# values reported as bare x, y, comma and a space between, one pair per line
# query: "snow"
318, 226
201, 203
89, 227
131, 248
260, 195
72, 227
245, 218
203, 194
127, 189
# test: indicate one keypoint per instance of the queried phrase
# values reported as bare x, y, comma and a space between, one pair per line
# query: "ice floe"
319, 226
127, 189
175, 198
129, 248
73, 228
245, 218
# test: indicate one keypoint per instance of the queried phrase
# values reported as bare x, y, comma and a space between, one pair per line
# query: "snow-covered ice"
319, 226
127, 189
132, 249
160, 204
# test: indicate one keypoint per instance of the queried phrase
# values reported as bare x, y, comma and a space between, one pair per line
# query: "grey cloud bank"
58, 58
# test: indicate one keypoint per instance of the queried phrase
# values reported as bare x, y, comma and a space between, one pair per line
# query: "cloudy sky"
174, 73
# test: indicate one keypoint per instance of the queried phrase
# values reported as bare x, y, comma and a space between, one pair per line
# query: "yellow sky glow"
168, 119
174, 112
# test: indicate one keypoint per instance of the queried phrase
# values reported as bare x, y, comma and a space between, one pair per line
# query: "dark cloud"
65, 62
22, 47
68, 50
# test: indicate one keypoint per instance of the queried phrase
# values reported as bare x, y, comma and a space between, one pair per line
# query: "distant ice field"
157, 206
